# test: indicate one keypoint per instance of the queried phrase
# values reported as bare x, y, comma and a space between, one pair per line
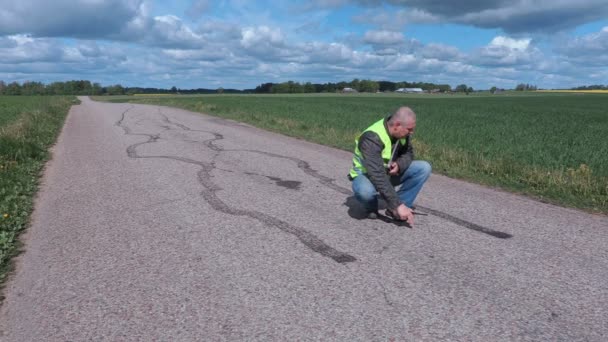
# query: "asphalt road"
157, 224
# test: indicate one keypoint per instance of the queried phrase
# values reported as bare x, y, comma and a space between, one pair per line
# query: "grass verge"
29, 125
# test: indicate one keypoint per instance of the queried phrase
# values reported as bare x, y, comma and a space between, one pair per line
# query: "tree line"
84, 87
80, 87
592, 87
365, 86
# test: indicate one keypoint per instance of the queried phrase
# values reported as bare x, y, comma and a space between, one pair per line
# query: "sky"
241, 44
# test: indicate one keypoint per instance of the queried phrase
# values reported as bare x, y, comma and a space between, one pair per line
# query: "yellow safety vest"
379, 129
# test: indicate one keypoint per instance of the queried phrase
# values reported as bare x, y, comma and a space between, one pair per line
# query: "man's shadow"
358, 212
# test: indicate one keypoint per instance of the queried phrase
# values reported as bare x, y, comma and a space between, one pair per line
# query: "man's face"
401, 131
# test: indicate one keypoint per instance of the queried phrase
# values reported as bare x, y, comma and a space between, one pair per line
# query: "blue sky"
241, 44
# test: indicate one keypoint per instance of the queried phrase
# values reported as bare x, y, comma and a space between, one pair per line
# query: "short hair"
402, 115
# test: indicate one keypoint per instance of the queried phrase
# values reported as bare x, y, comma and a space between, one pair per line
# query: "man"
384, 158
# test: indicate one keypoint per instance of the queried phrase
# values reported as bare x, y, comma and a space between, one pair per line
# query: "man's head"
402, 123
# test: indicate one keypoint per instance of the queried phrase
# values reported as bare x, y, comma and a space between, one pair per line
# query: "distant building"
409, 90
349, 90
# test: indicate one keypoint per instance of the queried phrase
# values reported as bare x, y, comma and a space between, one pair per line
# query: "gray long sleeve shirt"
371, 147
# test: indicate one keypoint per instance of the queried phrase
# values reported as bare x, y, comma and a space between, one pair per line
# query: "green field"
29, 125
550, 146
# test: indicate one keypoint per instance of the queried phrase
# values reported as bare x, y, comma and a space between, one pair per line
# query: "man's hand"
405, 213
393, 169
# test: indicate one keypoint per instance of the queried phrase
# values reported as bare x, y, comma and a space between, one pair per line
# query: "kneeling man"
384, 159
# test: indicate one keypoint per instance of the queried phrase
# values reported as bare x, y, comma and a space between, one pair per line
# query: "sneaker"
372, 215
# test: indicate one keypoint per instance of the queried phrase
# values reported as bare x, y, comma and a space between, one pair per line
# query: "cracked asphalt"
158, 224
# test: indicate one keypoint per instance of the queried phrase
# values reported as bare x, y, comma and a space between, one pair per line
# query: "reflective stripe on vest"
380, 130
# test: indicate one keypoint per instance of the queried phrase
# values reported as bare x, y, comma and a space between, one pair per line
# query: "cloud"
588, 49
20, 49
197, 8
28, 55
383, 37
541, 16
214, 54
170, 31
118, 20
220, 31
441, 52
265, 43
253, 36
510, 43
512, 16
390, 20
323, 53
506, 51
67, 18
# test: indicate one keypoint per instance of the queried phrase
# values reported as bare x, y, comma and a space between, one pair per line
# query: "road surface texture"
158, 224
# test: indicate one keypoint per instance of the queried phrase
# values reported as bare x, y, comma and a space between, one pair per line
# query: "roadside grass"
550, 146
29, 125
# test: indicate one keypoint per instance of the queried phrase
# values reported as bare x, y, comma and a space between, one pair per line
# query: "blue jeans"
411, 182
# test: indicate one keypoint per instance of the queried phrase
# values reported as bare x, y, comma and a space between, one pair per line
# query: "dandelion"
5, 216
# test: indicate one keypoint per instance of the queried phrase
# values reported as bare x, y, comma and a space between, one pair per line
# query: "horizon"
347, 85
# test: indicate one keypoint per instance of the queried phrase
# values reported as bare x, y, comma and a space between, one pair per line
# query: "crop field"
550, 146
590, 91
28, 126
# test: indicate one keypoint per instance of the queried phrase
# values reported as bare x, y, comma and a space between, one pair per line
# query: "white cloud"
264, 43
588, 49
317, 52
253, 36
510, 43
213, 54
506, 51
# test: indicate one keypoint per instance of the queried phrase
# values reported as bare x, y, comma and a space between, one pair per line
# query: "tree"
174, 90
115, 90
32, 88
461, 88
55, 88
294, 87
220, 90
96, 89
493, 90
280, 88
309, 88
526, 87
386, 86
264, 88
13, 88
368, 86
444, 87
